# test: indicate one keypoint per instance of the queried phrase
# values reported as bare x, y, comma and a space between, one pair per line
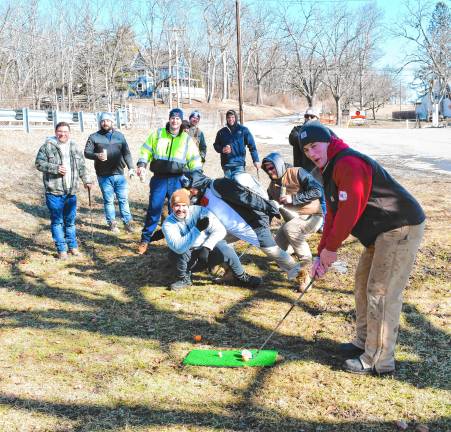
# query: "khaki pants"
382, 273
295, 233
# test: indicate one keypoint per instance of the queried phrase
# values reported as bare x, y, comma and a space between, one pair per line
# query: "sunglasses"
308, 116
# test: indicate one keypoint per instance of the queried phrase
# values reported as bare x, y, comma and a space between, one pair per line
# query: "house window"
140, 87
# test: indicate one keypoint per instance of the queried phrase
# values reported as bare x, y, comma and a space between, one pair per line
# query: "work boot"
113, 227
180, 284
248, 280
303, 279
62, 255
129, 227
142, 248
74, 252
349, 350
355, 366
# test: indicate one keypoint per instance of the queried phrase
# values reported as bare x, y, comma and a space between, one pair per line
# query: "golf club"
288, 312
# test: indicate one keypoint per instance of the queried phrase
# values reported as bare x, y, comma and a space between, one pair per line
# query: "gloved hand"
202, 223
203, 256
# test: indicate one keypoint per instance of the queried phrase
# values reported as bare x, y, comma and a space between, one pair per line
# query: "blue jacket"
238, 138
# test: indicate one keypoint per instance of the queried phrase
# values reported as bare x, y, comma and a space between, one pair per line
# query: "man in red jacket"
365, 201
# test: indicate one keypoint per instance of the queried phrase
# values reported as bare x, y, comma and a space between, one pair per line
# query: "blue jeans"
63, 210
222, 253
111, 185
160, 188
232, 171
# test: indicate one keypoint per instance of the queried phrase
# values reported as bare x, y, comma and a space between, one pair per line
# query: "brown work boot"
142, 248
62, 255
113, 227
74, 252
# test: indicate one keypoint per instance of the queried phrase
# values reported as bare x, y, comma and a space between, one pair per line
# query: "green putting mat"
229, 358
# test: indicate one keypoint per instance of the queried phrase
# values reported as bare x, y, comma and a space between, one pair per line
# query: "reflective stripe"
147, 147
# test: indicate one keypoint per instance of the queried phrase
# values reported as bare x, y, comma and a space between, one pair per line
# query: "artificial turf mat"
230, 358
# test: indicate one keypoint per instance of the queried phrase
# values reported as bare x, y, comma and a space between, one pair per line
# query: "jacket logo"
303, 134
332, 198
342, 196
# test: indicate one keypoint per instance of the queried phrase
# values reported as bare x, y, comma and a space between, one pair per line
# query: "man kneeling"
196, 240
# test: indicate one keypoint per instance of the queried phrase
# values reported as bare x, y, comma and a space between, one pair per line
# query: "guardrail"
24, 118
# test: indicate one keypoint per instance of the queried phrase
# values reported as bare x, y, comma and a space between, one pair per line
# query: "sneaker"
348, 350
113, 227
180, 284
142, 248
129, 227
74, 252
62, 255
248, 280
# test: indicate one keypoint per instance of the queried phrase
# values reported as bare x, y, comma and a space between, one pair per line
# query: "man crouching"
196, 240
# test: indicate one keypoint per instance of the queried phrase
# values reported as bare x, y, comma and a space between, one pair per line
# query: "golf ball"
219, 354
246, 355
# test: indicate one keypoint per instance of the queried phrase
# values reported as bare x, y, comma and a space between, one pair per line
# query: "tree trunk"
259, 93
338, 109
224, 76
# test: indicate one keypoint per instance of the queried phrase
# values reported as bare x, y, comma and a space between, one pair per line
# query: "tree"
305, 64
429, 30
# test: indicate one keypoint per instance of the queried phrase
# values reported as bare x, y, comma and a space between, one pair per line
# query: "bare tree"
306, 65
264, 47
428, 27
338, 51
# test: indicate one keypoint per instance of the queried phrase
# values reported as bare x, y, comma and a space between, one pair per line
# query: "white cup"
105, 153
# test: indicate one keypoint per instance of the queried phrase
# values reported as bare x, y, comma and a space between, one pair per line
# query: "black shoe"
248, 281
350, 350
355, 366
180, 284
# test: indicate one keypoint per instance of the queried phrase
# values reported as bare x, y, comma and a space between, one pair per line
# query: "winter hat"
106, 116
231, 112
311, 112
176, 112
312, 132
195, 114
180, 196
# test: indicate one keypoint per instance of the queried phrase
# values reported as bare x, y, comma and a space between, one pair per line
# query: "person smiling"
365, 201
170, 152
196, 239
61, 164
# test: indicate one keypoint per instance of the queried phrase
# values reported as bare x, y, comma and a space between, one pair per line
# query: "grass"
97, 343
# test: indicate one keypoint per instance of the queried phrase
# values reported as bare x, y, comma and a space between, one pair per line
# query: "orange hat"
180, 196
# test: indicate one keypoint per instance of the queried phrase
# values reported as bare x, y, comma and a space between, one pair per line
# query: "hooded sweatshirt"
362, 199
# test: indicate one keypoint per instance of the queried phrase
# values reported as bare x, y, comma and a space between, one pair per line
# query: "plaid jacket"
49, 158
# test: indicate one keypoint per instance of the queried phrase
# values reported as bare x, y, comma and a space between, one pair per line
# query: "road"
423, 150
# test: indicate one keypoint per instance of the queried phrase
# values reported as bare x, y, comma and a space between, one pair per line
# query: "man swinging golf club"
365, 201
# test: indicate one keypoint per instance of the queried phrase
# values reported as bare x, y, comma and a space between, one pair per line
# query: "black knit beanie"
312, 132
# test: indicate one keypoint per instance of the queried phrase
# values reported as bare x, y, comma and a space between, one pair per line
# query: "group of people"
330, 187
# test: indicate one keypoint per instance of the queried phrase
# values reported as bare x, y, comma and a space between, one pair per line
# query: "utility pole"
238, 51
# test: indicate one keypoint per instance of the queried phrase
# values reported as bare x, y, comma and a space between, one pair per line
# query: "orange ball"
197, 338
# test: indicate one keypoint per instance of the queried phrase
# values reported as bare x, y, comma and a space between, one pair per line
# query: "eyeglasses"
308, 116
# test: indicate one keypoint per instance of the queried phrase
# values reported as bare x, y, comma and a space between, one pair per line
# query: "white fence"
153, 117
133, 116
27, 119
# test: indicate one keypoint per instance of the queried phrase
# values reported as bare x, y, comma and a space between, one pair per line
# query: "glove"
185, 182
202, 257
131, 173
202, 223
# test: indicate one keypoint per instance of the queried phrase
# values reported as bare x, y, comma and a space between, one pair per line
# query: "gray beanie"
312, 132
106, 116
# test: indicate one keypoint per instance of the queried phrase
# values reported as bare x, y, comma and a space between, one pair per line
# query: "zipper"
61, 162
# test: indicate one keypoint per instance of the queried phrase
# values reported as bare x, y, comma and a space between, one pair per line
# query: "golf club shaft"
288, 312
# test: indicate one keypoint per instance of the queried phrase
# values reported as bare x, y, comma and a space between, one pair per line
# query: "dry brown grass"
97, 344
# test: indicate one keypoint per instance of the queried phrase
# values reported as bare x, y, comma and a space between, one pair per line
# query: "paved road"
423, 150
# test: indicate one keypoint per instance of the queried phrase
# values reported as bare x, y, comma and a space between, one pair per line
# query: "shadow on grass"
250, 418
138, 317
